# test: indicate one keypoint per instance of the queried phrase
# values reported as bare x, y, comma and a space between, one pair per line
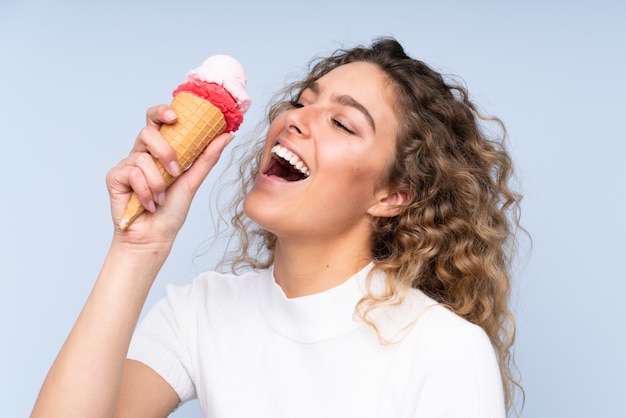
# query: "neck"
306, 268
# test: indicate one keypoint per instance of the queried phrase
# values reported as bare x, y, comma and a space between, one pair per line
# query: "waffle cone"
198, 123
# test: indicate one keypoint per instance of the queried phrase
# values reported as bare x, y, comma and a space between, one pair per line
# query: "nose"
298, 120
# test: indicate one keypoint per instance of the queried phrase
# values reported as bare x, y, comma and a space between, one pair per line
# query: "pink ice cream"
221, 80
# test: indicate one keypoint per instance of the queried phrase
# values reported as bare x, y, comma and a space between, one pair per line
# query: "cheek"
356, 165
276, 126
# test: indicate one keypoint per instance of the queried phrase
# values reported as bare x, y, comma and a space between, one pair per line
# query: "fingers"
146, 181
151, 141
158, 115
139, 174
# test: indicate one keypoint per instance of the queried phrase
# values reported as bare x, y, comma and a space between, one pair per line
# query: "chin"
263, 213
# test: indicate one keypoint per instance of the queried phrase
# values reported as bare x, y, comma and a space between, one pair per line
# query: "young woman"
374, 220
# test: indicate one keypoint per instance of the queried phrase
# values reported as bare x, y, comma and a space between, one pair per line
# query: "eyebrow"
348, 101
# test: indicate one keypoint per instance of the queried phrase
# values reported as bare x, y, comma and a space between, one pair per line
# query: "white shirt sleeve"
159, 340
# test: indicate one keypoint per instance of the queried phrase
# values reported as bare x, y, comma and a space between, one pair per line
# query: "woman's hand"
166, 210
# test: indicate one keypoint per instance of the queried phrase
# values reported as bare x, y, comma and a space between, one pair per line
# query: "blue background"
76, 78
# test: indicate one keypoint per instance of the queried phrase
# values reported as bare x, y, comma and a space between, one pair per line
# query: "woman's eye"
341, 126
296, 104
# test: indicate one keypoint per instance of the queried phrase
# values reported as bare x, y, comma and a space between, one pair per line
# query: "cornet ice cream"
213, 100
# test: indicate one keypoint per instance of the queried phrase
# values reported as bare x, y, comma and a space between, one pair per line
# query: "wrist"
141, 250
140, 244
139, 260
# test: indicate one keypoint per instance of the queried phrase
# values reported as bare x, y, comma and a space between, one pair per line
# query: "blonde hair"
455, 237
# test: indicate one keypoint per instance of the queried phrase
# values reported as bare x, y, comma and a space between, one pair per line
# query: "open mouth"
286, 165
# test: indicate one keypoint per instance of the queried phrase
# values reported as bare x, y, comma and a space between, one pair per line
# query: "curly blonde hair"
455, 237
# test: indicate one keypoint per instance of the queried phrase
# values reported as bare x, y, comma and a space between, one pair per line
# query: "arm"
144, 393
91, 370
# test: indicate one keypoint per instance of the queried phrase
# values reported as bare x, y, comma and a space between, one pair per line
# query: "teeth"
291, 158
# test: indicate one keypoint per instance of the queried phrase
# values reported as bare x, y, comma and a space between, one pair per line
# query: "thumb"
192, 178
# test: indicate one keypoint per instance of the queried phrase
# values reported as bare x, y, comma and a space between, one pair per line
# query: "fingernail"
151, 207
161, 199
174, 168
169, 115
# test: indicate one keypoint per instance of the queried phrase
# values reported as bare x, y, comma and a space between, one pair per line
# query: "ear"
389, 203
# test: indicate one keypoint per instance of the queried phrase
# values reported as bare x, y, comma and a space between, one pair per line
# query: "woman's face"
321, 174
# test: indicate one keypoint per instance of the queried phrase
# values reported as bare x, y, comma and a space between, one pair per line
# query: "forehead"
367, 84
361, 77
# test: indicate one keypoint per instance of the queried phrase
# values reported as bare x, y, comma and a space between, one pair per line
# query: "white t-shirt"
244, 349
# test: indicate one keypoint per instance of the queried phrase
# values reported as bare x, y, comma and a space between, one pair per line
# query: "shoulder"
436, 338
437, 326
455, 360
227, 283
216, 290
420, 317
